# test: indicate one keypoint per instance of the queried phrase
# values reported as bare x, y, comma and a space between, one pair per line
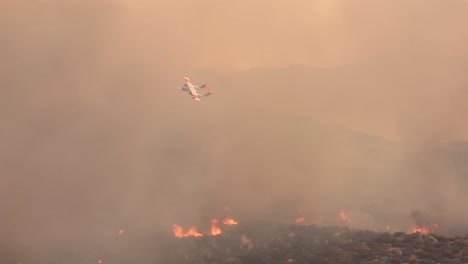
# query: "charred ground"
277, 243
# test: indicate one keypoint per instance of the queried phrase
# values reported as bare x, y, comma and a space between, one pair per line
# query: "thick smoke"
97, 138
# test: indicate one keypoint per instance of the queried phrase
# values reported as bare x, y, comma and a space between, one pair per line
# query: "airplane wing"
208, 90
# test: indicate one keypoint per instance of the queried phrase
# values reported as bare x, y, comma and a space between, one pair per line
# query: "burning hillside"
306, 240
214, 230
260, 242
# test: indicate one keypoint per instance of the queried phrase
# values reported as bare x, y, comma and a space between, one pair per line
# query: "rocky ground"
288, 244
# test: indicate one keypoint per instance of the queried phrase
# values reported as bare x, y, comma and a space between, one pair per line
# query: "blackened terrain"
278, 244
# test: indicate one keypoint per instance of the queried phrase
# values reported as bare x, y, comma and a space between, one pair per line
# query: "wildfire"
421, 230
426, 229
193, 232
121, 231
219, 224
344, 217
215, 230
178, 232
300, 220
230, 221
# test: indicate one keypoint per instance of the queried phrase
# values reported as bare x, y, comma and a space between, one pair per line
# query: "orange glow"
121, 231
193, 232
300, 220
215, 230
387, 227
100, 261
178, 232
421, 230
230, 221
344, 217
425, 230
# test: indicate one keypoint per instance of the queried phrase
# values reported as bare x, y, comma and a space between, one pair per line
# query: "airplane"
192, 89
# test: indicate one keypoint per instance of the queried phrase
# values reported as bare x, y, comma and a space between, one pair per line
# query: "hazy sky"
227, 35
169, 39
232, 35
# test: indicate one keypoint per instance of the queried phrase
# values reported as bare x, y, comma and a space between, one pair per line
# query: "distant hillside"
417, 98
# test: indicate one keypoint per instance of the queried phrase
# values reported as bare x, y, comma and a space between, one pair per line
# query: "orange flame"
178, 232
425, 230
230, 221
215, 230
193, 232
121, 231
300, 220
100, 261
421, 230
344, 217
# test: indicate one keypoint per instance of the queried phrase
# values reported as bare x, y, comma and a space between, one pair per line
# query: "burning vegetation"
214, 230
342, 219
297, 243
302, 242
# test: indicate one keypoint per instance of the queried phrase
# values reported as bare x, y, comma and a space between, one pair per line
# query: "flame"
178, 232
121, 231
425, 230
387, 227
421, 230
100, 261
230, 221
300, 220
344, 217
193, 232
215, 230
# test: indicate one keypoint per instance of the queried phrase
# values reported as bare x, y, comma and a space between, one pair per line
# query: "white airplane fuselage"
194, 93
